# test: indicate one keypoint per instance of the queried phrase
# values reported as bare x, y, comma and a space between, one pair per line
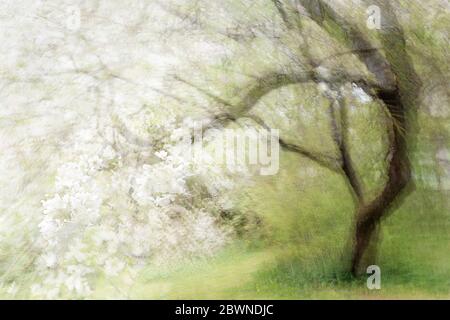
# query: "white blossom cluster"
108, 216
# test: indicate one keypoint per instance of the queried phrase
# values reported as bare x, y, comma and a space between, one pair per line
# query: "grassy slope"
413, 258
302, 259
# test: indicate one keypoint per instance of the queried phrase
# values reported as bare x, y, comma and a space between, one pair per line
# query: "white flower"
323, 87
323, 72
161, 154
75, 281
109, 153
12, 289
50, 259
180, 134
113, 266
76, 251
54, 204
48, 227
360, 94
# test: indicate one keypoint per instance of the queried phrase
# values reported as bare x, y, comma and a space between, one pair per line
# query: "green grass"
413, 257
300, 255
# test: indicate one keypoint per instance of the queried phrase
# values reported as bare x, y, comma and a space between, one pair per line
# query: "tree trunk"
399, 174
